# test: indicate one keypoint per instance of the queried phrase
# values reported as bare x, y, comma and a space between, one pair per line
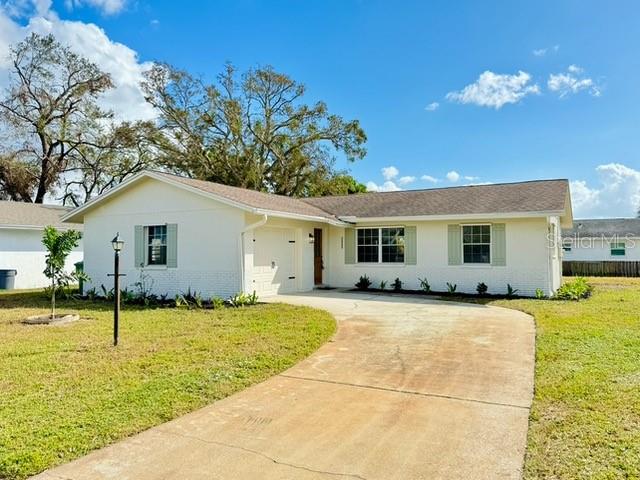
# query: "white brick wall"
527, 261
208, 240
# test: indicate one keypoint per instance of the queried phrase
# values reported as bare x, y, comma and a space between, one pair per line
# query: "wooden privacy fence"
601, 269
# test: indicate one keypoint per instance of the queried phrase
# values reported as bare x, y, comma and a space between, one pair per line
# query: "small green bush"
217, 302
242, 299
482, 288
363, 283
397, 285
424, 285
576, 289
383, 285
540, 294
452, 287
511, 292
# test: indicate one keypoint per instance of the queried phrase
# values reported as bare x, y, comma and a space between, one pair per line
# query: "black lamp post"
117, 243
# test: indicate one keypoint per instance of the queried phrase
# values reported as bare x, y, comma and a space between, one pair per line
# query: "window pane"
393, 254
392, 236
477, 254
476, 240
367, 253
368, 236
157, 245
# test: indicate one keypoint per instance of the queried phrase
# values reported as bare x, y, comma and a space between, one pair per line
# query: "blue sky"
455, 92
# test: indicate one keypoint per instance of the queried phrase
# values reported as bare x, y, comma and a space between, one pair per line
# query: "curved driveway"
409, 388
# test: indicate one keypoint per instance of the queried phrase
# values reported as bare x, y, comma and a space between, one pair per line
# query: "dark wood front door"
317, 256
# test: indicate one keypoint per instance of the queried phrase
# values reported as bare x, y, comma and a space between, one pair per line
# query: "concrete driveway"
409, 388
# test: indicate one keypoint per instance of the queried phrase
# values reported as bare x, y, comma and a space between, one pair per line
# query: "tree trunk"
53, 298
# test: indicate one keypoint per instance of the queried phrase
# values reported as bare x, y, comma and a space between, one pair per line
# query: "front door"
317, 256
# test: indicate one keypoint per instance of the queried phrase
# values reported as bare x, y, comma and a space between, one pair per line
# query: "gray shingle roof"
541, 196
33, 215
252, 198
607, 227
522, 197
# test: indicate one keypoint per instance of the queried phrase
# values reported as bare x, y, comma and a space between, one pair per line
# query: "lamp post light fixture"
118, 244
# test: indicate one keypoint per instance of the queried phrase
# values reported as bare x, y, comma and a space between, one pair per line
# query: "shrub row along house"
183, 233
21, 249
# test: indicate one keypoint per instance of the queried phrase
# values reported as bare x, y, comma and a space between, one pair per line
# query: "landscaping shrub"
242, 299
397, 285
511, 292
424, 285
482, 288
452, 287
217, 302
540, 294
363, 283
575, 289
383, 284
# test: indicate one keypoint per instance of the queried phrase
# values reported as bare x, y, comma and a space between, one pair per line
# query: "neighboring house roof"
33, 215
604, 227
522, 197
537, 197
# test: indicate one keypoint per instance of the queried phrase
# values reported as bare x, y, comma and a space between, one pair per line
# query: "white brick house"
218, 240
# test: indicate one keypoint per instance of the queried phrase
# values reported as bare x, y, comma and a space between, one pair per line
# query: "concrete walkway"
409, 388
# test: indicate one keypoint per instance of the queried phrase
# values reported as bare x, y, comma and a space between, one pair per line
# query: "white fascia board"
33, 227
91, 203
298, 216
426, 218
100, 198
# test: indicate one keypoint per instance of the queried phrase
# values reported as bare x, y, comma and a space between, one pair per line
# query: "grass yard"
585, 421
64, 390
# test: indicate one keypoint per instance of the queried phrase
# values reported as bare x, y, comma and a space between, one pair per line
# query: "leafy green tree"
59, 245
338, 184
253, 132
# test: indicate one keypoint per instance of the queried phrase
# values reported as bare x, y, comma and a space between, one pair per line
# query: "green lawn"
64, 390
585, 421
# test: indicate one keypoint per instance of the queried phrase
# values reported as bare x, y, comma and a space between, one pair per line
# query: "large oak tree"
54, 136
252, 131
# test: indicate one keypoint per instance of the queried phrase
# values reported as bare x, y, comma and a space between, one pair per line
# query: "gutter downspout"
247, 229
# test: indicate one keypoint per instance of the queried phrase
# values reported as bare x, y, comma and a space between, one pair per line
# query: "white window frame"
380, 262
147, 245
471, 264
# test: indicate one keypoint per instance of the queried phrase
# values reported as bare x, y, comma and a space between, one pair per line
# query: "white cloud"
406, 180
108, 7
469, 178
387, 186
433, 106
495, 90
617, 195
572, 81
453, 176
89, 40
429, 178
541, 52
390, 172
